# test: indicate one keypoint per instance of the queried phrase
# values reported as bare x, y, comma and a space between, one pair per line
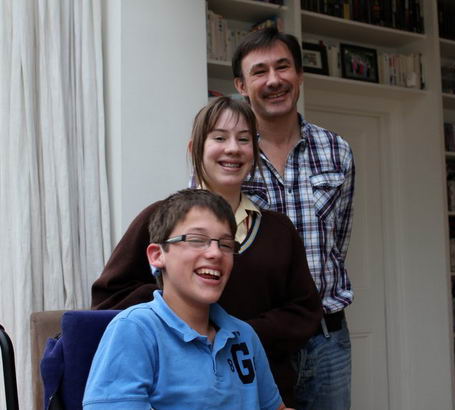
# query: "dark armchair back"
67, 359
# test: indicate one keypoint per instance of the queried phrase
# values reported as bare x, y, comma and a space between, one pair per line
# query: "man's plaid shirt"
316, 193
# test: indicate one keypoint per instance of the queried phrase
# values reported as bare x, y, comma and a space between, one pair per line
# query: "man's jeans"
324, 372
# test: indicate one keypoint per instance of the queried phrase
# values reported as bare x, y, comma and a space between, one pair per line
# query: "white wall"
156, 80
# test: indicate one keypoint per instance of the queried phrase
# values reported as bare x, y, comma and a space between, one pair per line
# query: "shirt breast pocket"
326, 192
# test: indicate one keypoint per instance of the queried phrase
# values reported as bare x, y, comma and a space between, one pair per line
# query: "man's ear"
240, 86
301, 77
155, 255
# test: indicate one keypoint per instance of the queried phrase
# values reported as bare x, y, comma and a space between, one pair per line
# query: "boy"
182, 350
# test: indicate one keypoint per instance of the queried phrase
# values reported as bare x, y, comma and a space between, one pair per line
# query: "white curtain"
54, 213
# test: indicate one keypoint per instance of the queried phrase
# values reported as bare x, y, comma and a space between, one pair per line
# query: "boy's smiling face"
194, 277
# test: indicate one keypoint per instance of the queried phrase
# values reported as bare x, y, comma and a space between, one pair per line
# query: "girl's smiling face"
228, 152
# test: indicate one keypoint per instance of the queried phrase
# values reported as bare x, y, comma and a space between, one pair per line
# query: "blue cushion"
66, 361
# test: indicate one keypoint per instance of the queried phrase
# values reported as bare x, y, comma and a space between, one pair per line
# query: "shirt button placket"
217, 374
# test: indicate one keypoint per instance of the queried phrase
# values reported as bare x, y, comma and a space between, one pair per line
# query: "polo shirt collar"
217, 315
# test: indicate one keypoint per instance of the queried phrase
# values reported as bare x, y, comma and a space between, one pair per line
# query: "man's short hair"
265, 38
174, 209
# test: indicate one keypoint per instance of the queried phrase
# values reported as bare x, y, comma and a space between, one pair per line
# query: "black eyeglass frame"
208, 241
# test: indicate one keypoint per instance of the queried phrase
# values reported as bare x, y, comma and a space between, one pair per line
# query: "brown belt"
333, 321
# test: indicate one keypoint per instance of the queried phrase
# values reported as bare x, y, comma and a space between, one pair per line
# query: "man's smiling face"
271, 81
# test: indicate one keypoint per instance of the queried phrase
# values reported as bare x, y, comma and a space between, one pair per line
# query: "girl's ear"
155, 255
190, 146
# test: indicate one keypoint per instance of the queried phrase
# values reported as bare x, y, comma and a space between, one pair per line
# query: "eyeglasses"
199, 241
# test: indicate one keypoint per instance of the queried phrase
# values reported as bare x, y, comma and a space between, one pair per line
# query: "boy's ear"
240, 86
155, 255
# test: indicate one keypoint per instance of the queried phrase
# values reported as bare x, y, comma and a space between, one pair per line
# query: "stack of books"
399, 14
222, 40
402, 70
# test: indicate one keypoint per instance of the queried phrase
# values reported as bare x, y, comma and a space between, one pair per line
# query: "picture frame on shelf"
359, 63
314, 58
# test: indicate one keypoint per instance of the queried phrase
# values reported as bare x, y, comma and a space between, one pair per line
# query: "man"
308, 173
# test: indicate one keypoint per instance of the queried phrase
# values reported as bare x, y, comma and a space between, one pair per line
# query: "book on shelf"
448, 76
452, 263
449, 136
346, 10
402, 70
333, 59
217, 36
399, 14
446, 19
451, 187
222, 40
451, 194
451, 197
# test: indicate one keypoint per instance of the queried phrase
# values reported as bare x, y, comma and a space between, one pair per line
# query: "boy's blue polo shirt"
149, 357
